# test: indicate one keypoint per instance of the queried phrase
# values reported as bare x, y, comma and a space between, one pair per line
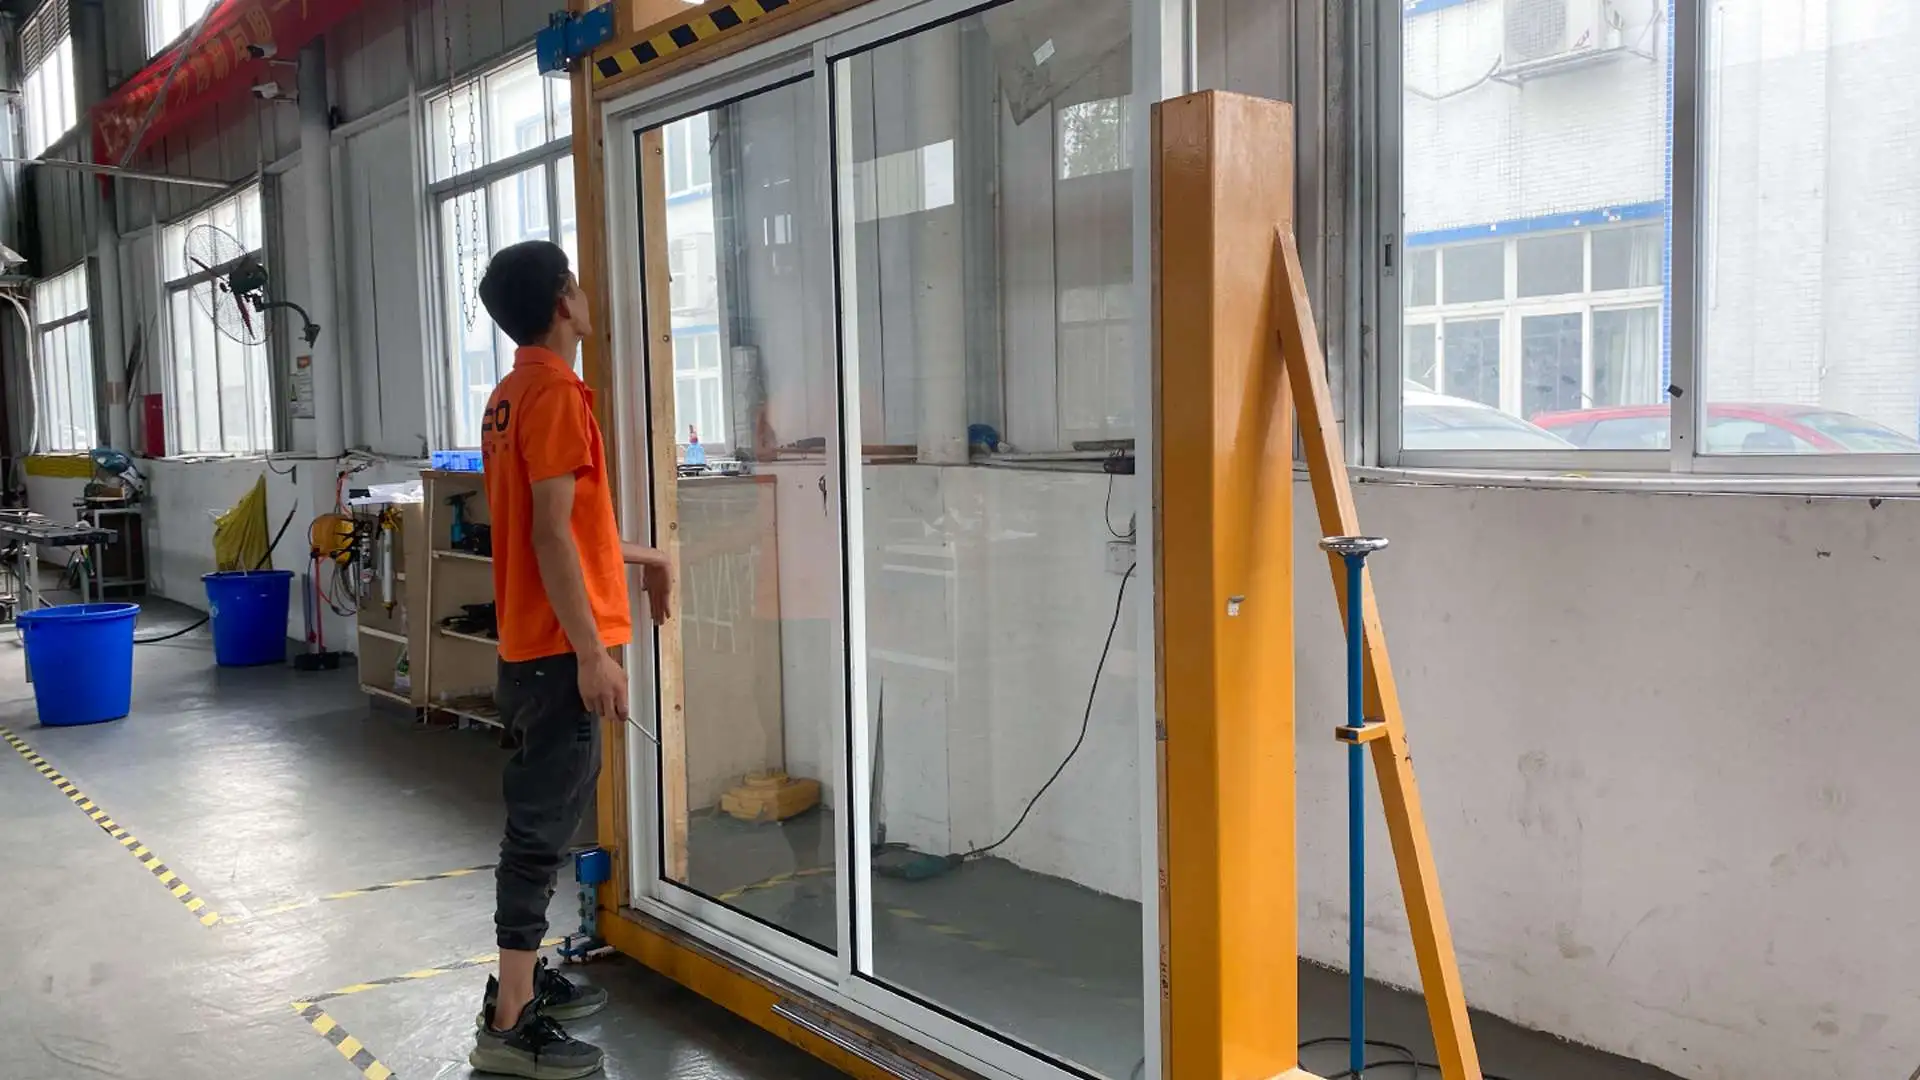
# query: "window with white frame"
693, 285
47, 92
64, 372
1532, 274
689, 157
1539, 325
1549, 220
219, 386
1093, 267
500, 171
698, 391
168, 19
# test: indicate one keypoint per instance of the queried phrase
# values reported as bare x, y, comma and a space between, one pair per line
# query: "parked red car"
1732, 428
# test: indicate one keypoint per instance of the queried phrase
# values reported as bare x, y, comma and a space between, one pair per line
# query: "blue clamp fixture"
1353, 550
591, 868
569, 37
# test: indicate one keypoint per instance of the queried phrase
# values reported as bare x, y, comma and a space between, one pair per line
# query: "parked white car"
1430, 421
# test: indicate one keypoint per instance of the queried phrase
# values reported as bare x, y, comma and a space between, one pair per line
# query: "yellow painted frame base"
752, 996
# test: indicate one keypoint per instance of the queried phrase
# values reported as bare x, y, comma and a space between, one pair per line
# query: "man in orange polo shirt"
560, 586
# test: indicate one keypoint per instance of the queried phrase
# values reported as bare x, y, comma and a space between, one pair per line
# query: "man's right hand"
603, 686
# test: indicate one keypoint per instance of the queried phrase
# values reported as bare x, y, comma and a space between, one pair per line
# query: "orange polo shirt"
538, 425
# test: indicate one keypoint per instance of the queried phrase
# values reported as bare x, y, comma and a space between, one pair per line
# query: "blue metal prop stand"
590, 868
1353, 550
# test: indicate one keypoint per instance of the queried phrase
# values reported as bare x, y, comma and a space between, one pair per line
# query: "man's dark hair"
522, 285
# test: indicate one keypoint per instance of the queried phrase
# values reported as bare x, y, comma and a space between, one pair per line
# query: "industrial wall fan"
236, 295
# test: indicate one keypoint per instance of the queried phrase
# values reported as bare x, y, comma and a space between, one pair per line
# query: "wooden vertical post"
596, 366
664, 452
1399, 795
1223, 175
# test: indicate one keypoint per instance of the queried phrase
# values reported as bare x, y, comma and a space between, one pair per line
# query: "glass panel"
1475, 272
751, 816
1626, 358
226, 218
1423, 277
203, 367
1550, 364
83, 411
1472, 352
1092, 265
569, 216
1538, 166
1627, 258
516, 110
453, 128
470, 334
1551, 265
174, 250
1004, 824
1423, 356
688, 146
53, 369
186, 417
1812, 332
249, 219
560, 107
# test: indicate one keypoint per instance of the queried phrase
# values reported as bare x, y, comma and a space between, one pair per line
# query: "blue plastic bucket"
81, 657
249, 609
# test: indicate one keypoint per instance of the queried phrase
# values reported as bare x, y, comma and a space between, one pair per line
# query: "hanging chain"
474, 156
466, 220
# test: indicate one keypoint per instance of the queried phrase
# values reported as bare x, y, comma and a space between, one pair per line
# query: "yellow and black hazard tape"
350, 1048
774, 882
162, 873
481, 960
353, 1049
700, 27
403, 883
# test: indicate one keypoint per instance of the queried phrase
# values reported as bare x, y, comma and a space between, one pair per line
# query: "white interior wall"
186, 495
1664, 766
988, 599
381, 337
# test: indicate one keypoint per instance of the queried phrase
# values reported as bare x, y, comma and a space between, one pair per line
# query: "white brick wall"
1813, 189
1576, 140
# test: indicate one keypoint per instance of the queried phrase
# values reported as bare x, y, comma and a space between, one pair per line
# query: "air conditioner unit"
1546, 35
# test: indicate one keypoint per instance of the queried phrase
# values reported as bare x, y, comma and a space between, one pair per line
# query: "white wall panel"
367, 52
384, 341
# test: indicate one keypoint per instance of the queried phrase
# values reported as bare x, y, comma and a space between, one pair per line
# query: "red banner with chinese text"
216, 64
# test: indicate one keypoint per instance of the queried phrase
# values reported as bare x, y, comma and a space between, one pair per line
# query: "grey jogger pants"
549, 784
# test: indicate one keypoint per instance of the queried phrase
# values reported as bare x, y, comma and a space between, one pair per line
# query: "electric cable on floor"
203, 620
1086, 720
1407, 1060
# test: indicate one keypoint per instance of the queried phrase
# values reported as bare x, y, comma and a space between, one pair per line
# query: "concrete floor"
264, 789
1058, 966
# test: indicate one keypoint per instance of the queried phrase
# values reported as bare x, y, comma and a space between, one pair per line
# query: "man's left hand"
658, 581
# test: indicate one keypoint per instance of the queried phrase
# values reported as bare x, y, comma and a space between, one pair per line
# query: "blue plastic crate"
457, 460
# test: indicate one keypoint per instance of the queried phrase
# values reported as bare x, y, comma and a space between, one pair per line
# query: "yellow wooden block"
770, 796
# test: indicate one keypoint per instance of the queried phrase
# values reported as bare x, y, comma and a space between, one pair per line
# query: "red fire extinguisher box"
153, 413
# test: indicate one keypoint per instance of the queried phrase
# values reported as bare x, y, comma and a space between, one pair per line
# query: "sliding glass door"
883, 288
984, 213
753, 662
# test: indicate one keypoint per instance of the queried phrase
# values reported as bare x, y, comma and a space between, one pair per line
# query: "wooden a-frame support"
1306, 369
1237, 360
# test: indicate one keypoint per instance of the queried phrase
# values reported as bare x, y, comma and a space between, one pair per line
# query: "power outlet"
1120, 556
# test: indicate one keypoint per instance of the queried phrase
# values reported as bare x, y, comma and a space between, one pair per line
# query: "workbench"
32, 531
